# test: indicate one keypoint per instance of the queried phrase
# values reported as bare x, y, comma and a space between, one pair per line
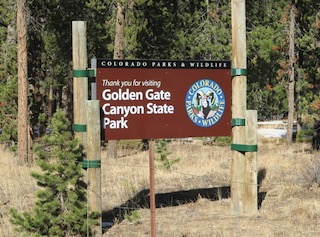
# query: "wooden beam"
251, 182
93, 150
239, 103
80, 84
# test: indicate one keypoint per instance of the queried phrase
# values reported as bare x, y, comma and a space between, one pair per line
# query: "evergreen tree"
181, 29
268, 45
49, 65
60, 209
100, 28
206, 29
308, 64
8, 72
163, 155
266, 87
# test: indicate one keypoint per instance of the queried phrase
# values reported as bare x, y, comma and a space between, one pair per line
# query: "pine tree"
308, 53
8, 72
60, 209
163, 155
266, 89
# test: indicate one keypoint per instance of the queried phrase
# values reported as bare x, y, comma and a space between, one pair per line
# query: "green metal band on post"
238, 72
91, 163
83, 73
244, 147
79, 127
238, 122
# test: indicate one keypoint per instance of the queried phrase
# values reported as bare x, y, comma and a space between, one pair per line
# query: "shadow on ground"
142, 200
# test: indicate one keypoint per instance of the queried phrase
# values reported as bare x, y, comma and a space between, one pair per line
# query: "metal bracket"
84, 73
244, 148
91, 164
238, 72
79, 127
238, 122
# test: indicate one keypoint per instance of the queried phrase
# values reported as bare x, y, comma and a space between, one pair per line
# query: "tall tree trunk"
23, 127
291, 86
117, 54
119, 36
50, 102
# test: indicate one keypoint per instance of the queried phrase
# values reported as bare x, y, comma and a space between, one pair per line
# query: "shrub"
163, 152
223, 141
61, 206
133, 144
310, 173
304, 135
133, 217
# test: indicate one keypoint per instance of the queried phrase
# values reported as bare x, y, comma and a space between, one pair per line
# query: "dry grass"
17, 189
291, 206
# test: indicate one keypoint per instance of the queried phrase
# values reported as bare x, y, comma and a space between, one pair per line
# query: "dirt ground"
193, 197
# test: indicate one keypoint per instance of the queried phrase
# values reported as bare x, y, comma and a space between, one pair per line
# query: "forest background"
283, 41
162, 29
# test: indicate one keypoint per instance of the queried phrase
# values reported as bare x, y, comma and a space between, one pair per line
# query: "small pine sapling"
162, 150
61, 205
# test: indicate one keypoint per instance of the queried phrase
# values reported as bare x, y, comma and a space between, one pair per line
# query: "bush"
61, 206
304, 135
310, 173
133, 217
163, 153
223, 141
133, 144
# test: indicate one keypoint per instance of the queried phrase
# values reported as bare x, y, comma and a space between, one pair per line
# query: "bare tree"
23, 128
119, 36
291, 84
117, 54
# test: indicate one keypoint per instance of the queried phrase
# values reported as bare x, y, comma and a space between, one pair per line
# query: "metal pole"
152, 189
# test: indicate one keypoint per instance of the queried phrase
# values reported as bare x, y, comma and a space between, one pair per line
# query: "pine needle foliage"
163, 155
60, 208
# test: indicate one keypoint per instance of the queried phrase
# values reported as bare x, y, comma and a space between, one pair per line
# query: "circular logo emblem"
205, 103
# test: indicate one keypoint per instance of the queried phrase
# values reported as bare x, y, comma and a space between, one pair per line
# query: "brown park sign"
146, 99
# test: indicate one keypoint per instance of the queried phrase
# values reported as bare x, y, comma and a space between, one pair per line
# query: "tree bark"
119, 36
50, 102
291, 85
23, 151
117, 54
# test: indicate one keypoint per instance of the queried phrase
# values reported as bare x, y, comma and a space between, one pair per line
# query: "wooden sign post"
239, 96
80, 78
149, 99
93, 161
251, 175
243, 164
86, 119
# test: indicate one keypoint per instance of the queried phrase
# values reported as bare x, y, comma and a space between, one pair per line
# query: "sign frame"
151, 99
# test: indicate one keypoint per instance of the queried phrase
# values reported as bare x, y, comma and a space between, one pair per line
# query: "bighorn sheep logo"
205, 103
